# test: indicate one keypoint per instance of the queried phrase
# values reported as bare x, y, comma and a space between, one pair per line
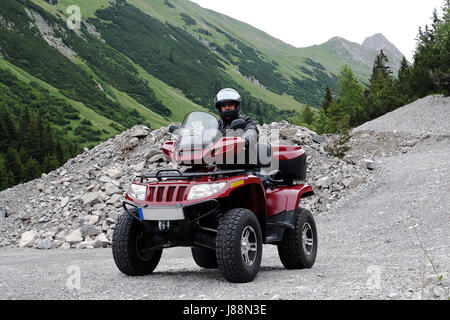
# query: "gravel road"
367, 250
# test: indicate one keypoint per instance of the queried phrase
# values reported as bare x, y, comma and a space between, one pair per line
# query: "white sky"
303, 23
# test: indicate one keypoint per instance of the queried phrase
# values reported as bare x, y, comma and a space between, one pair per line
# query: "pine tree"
31, 170
171, 56
3, 173
307, 116
327, 99
431, 70
59, 153
49, 163
351, 99
24, 125
9, 127
48, 143
14, 164
321, 122
402, 83
383, 96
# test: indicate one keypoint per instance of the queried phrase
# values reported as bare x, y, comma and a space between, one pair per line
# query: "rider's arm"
251, 131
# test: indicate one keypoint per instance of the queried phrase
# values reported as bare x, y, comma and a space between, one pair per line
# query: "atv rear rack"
187, 175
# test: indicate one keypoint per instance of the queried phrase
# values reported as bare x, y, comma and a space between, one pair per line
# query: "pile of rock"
77, 205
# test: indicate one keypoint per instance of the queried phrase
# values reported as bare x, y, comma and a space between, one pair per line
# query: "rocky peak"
379, 42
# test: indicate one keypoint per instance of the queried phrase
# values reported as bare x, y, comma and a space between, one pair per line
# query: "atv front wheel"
130, 245
298, 250
239, 245
204, 257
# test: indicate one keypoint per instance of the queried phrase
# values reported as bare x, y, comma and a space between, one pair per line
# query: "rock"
114, 198
150, 153
368, 164
88, 243
101, 196
114, 173
2, 212
354, 183
288, 133
93, 220
90, 198
88, 230
138, 167
131, 144
46, 243
318, 139
105, 179
101, 241
140, 132
40, 187
156, 158
74, 237
64, 202
65, 246
323, 182
61, 236
111, 189
27, 239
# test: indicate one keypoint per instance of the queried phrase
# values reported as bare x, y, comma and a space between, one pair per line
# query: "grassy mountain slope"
152, 61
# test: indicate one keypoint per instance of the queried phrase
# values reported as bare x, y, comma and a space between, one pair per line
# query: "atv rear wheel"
298, 250
239, 245
129, 244
204, 257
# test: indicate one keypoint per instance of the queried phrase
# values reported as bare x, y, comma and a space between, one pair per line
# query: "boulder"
64, 202
139, 132
323, 182
74, 237
27, 239
46, 243
111, 189
90, 198
88, 230
114, 173
101, 241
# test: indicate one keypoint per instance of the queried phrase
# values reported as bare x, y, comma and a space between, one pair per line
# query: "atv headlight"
204, 190
137, 192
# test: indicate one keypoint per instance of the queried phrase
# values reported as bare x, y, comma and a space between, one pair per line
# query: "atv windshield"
200, 130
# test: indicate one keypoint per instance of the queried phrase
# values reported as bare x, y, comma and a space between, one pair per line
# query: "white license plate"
161, 213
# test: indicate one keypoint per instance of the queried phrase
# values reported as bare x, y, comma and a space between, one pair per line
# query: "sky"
304, 23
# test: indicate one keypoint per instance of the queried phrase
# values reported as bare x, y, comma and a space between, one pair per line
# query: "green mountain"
153, 61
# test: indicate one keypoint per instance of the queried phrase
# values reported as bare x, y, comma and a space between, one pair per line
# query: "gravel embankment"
430, 115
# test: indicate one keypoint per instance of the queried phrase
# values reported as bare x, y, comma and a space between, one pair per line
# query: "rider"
228, 105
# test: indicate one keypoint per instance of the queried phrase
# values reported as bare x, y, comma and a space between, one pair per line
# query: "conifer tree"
14, 164
3, 173
307, 115
351, 99
9, 127
327, 99
31, 170
382, 96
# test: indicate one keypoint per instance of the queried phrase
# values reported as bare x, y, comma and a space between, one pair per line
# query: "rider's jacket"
250, 131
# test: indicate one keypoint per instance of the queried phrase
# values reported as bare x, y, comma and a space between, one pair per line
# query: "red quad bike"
223, 208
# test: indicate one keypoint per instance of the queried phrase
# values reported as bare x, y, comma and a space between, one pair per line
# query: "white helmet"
228, 95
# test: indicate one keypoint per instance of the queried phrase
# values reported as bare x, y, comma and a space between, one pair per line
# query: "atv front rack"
187, 175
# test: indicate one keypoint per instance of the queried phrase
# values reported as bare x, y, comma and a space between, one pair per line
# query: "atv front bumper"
160, 213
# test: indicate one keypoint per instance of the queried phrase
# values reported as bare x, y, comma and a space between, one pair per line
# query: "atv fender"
286, 198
